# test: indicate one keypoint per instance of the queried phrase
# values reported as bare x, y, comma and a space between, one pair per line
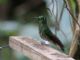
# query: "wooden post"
34, 50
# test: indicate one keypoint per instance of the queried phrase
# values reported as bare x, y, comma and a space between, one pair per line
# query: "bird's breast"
42, 34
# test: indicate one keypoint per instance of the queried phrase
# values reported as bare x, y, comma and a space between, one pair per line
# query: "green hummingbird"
46, 33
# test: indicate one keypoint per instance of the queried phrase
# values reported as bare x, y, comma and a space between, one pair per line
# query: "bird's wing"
53, 37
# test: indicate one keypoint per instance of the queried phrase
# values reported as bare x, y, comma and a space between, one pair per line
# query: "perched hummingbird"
46, 33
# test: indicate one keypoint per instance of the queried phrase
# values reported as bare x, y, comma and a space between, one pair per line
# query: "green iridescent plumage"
46, 33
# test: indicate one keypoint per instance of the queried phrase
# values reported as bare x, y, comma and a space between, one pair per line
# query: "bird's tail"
62, 49
61, 46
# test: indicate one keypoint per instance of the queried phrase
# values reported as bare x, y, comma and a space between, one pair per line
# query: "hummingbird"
45, 32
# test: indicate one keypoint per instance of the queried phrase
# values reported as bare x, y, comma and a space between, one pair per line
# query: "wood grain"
34, 50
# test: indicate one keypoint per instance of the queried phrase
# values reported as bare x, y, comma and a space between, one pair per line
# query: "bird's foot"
47, 43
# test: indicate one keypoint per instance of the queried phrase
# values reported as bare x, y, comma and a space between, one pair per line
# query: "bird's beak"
35, 17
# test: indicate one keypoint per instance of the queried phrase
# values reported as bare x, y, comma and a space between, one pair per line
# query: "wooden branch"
34, 50
75, 46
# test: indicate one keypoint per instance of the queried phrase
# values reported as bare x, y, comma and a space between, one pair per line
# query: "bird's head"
41, 19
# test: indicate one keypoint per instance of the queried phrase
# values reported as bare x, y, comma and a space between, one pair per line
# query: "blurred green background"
24, 25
